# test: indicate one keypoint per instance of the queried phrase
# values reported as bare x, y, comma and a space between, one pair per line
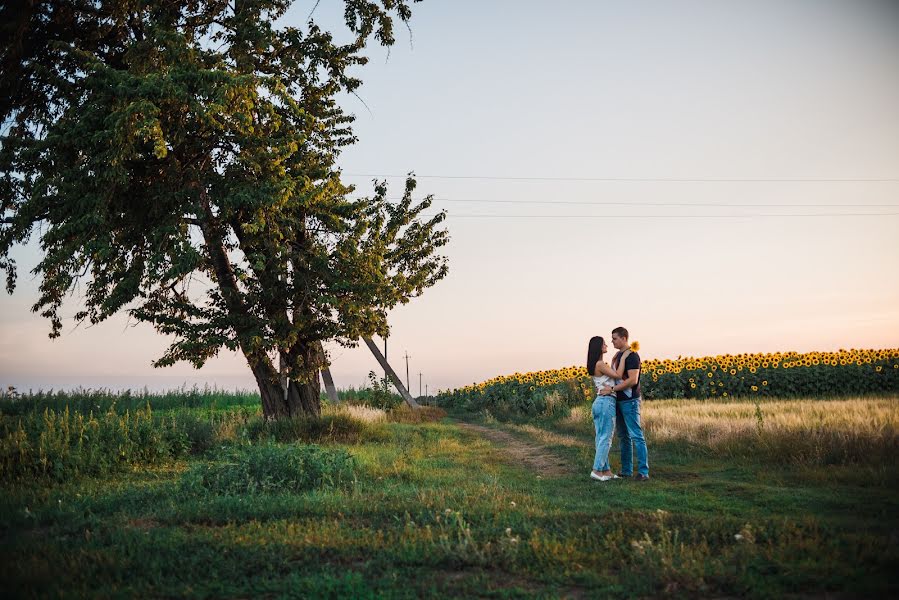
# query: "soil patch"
143, 524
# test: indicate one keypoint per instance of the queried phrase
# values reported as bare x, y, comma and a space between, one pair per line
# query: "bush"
271, 468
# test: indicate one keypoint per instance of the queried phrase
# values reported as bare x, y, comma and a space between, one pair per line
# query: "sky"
576, 95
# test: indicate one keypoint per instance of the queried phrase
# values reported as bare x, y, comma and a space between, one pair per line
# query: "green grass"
431, 509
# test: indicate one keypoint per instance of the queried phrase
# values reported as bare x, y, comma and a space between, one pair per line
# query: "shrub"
272, 468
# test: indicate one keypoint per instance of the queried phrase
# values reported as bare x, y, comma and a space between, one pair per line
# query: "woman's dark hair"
594, 353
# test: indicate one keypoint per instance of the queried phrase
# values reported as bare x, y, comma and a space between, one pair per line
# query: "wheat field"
805, 431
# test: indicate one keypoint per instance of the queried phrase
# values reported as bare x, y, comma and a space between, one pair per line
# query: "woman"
604, 406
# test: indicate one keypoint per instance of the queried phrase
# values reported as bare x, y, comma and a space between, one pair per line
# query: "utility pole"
397, 382
329, 386
407, 369
419, 384
426, 390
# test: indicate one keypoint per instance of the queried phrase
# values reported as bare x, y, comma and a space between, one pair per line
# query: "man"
627, 409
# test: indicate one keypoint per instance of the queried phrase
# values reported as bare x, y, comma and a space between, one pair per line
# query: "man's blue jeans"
630, 435
604, 425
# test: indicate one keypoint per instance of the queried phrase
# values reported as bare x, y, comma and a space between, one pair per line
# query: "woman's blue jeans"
604, 425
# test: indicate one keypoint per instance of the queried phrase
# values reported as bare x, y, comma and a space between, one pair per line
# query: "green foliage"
380, 394
272, 468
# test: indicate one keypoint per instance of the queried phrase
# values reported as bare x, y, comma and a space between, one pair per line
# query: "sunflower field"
774, 375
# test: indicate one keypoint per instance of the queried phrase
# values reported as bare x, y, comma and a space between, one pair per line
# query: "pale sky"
650, 90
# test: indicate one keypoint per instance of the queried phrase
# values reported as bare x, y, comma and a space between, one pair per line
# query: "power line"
655, 204
644, 179
748, 216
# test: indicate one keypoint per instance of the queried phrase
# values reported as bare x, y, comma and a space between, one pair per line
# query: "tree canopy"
155, 143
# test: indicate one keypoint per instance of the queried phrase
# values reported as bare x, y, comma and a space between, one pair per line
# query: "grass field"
781, 498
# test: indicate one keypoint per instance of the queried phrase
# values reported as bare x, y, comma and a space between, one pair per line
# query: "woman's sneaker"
600, 477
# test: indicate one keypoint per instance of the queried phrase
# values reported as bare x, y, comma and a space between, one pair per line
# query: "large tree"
153, 142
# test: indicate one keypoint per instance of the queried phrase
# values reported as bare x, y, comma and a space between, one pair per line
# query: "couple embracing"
617, 406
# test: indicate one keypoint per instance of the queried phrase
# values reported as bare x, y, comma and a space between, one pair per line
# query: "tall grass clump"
272, 468
358, 412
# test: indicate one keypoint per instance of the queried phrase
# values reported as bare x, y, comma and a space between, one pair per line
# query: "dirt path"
533, 456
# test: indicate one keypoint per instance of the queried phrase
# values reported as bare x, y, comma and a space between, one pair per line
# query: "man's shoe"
641, 478
623, 476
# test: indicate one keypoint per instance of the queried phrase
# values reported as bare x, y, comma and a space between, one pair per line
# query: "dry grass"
806, 431
400, 414
579, 418
423, 414
548, 438
711, 423
358, 412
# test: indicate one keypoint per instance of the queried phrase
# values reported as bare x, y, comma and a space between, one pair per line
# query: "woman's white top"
603, 381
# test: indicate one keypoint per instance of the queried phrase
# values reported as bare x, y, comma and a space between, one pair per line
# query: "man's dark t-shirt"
631, 362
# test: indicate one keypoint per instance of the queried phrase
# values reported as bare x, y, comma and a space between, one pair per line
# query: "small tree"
154, 142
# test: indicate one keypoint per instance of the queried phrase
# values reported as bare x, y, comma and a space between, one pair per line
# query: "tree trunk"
270, 390
303, 397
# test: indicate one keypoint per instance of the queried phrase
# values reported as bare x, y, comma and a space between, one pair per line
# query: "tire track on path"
513, 450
